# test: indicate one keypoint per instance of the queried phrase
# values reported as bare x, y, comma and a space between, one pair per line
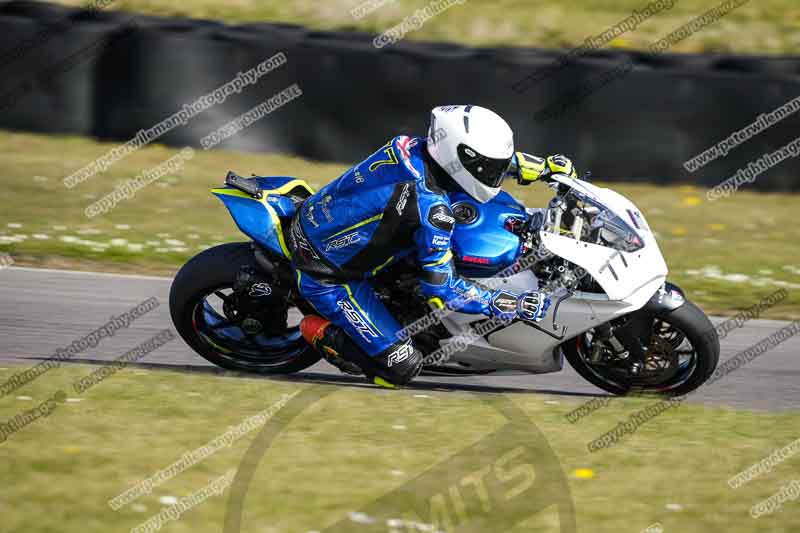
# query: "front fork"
635, 331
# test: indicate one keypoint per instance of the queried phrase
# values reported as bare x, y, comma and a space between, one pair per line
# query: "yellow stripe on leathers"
445, 258
354, 226
352, 299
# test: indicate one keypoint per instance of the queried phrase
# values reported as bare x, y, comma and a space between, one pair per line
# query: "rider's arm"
440, 284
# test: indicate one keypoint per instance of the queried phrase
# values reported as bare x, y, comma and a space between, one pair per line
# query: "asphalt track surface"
43, 310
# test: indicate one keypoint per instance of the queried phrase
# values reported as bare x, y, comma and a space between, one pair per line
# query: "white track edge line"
90, 273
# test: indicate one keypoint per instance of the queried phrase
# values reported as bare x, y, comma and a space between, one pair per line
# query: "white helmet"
473, 145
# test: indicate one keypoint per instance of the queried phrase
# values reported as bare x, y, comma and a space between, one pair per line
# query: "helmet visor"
486, 170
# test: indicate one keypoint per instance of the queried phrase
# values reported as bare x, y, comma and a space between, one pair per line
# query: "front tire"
280, 350
671, 329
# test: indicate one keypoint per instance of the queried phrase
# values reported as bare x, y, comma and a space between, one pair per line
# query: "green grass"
763, 26
749, 234
175, 208
356, 444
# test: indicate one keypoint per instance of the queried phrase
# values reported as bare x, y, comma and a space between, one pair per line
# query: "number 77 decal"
391, 161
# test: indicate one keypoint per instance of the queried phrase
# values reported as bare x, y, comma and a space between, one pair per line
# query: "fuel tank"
481, 244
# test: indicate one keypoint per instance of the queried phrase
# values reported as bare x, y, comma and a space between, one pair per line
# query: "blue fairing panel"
263, 219
276, 187
483, 247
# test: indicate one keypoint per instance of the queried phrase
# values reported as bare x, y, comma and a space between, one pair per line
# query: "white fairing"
621, 274
534, 348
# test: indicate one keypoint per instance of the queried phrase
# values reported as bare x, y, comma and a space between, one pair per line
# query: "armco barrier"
110, 74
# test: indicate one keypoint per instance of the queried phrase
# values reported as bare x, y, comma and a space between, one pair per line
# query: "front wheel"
244, 329
681, 351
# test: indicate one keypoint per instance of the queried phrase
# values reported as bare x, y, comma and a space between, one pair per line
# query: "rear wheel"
250, 329
680, 354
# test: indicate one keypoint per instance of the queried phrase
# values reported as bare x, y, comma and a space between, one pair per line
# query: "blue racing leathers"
383, 209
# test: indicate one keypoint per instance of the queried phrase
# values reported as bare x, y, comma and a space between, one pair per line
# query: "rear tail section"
263, 206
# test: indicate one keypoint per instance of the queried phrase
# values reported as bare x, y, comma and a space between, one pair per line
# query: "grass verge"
727, 254
763, 27
357, 444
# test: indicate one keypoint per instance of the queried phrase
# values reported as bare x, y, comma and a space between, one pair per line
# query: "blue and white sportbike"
614, 315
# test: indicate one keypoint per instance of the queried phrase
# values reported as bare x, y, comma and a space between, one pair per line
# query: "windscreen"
585, 218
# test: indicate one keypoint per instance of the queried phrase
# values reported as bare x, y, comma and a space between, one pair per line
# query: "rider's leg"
362, 330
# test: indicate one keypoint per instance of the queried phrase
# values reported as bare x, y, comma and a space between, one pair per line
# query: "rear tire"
210, 271
699, 331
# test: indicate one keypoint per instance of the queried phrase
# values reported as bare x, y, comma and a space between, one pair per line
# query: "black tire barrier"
47, 79
624, 115
34, 9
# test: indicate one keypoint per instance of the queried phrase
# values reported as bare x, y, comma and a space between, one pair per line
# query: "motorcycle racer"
394, 205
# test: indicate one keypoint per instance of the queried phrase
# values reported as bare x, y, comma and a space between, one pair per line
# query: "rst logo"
401, 203
400, 354
356, 320
301, 241
442, 217
343, 242
505, 302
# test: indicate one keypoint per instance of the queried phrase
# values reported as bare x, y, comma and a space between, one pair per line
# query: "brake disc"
660, 362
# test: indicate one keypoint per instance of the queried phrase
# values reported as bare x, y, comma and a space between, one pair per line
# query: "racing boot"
397, 366
322, 335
